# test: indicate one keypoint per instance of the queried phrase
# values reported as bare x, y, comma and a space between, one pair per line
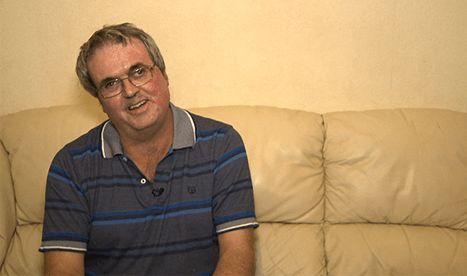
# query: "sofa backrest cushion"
399, 166
284, 148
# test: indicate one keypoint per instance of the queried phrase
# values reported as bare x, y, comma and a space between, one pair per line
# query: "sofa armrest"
7, 204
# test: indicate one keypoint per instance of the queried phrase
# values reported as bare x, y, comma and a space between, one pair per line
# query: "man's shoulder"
83, 143
207, 124
215, 134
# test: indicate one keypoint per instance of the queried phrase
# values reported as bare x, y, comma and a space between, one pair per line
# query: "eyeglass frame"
122, 79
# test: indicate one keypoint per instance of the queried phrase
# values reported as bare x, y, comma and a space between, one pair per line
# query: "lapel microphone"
157, 192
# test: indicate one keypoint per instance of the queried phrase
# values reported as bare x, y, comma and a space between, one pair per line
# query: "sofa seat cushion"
391, 249
290, 249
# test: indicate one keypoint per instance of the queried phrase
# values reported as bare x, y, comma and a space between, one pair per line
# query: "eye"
111, 84
139, 72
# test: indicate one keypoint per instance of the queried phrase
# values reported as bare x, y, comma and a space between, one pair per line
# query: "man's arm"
63, 263
237, 253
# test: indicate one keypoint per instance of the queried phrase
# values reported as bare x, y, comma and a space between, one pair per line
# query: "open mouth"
138, 105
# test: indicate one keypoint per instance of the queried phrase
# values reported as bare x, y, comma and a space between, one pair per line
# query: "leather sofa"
380, 192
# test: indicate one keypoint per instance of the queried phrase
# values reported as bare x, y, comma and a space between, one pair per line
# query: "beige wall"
317, 55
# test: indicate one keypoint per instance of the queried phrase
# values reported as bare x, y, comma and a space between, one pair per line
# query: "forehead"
115, 59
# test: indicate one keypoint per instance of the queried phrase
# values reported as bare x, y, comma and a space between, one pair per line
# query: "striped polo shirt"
98, 202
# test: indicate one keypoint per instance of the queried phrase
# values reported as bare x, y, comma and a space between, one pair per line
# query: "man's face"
136, 108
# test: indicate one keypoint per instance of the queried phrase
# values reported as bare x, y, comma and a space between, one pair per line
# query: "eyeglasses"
137, 77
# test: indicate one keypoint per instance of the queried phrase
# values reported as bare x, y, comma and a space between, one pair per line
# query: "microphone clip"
157, 192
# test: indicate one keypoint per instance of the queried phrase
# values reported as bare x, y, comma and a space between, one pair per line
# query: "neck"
148, 143
148, 147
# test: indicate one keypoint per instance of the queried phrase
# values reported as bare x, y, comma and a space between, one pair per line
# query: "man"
153, 191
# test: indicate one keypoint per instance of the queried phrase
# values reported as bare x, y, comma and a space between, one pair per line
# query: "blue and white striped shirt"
98, 202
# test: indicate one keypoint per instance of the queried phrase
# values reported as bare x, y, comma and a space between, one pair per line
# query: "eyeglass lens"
138, 77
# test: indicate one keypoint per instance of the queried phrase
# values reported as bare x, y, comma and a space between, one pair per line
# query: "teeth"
137, 105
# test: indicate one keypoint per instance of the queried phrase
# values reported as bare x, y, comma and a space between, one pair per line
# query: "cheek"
159, 93
111, 107
160, 86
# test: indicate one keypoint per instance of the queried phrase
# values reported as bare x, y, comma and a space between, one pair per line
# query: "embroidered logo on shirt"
191, 189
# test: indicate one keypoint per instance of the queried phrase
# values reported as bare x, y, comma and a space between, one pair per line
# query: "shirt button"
143, 181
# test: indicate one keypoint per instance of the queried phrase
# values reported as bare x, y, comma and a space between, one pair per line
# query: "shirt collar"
184, 134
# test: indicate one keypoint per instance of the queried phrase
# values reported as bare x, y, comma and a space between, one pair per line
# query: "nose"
129, 90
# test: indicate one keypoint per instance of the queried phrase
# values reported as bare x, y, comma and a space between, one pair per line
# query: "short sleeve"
233, 202
66, 217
